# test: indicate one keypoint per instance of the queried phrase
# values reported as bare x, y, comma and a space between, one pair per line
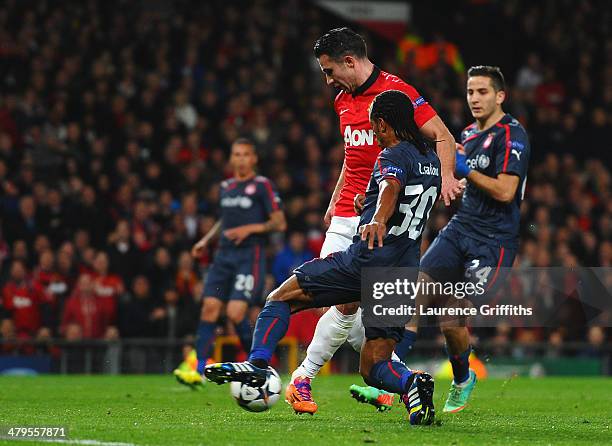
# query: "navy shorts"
237, 274
336, 279
454, 256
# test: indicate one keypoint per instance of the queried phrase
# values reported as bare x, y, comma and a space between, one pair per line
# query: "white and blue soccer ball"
258, 399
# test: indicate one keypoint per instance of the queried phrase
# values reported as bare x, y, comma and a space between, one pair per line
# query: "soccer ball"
258, 399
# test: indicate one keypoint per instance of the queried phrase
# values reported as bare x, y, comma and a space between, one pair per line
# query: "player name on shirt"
429, 169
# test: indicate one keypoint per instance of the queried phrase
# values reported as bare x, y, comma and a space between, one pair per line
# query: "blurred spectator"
161, 273
293, 255
143, 229
555, 342
85, 311
113, 140
107, 287
27, 223
135, 319
23, 301
186, 278
123, 256
596, 337
530, 75
8, 336
172, 319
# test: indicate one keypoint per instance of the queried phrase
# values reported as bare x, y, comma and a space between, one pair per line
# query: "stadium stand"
116, 119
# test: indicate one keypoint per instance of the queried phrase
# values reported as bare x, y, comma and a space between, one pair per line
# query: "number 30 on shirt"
414, 219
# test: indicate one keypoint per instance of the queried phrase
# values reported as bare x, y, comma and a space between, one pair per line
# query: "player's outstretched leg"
271, 326
244, 372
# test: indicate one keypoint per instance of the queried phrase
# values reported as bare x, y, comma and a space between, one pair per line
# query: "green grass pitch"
155, 410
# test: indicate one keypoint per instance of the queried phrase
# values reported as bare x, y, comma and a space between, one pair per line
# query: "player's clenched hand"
451, 188
198, 249
358, 203
371, 231
238, 234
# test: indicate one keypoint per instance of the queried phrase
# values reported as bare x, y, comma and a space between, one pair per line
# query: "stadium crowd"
116, 120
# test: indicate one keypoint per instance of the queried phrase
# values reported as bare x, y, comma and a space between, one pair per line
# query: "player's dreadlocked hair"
396, 109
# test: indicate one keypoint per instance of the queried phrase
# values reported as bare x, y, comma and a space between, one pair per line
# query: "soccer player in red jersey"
343, 58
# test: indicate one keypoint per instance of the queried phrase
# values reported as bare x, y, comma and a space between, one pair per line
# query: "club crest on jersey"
358, 137
250, 189
483, 161
488, 141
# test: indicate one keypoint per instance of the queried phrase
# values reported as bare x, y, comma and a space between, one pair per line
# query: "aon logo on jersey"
358, 137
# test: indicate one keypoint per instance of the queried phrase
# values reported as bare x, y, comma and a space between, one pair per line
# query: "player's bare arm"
198, 248
275, 223
436, 130
503, 188
334, 198
385, 206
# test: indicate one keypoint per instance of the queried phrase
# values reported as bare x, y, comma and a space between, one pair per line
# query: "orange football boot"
299, 395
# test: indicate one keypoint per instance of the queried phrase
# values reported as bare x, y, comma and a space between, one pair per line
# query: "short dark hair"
493, 73
340, 42
246, 142
396, 109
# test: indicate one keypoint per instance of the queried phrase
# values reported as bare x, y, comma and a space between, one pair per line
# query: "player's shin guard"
392, 376
245, 334
204, 339
331, 332
461, 365
271, 326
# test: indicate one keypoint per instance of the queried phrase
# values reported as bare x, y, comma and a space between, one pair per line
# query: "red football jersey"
23, 300
360, 147
107, 290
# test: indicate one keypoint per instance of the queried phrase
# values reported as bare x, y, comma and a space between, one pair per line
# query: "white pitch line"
65, 441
